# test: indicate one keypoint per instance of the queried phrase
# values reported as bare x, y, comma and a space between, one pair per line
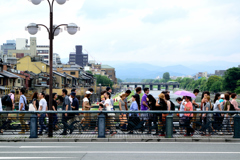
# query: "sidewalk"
115, 138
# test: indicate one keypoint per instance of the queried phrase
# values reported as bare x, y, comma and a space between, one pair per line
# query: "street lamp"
53, 30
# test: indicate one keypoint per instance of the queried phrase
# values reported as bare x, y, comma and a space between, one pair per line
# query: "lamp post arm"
58, 27
51, 5
45, 27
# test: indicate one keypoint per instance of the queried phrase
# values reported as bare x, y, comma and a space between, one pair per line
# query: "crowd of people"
206, 124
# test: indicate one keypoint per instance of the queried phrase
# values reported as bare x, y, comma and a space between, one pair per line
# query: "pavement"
119, 151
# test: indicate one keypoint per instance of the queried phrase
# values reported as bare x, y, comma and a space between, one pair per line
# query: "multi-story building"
220, 72
78, 57
110, 71
201, 75
10, 45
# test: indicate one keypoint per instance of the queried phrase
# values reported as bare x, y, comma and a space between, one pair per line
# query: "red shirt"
188, 105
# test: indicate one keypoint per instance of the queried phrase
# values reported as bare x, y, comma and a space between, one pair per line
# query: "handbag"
31, 107
110, 108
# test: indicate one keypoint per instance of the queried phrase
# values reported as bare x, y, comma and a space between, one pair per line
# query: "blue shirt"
134, 107
221, 100
21, 101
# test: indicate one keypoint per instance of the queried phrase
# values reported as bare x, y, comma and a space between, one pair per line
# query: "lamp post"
53, 30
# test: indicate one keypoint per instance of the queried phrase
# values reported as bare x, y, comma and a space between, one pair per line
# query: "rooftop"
107, 67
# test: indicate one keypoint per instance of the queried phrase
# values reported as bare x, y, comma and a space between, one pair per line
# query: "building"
78, 57
110, 71
56, 59
9, 45
220, 72
71, 71
200, 75
33, 64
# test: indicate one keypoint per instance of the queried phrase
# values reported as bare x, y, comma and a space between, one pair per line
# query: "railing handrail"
151, 112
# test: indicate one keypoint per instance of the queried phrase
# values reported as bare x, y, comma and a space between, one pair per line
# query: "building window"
72, 73
19, 81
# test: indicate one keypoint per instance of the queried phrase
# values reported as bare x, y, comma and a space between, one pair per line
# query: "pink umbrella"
185, 93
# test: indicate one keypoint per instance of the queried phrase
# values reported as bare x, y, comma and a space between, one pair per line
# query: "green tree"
179, 79
216, 87
90, 72
237, 90
166, 76
212, 80
231, 77
103, 80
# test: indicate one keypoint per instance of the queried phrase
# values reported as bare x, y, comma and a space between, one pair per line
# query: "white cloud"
149, 31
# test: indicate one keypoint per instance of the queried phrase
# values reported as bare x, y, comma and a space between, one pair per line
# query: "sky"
157, 32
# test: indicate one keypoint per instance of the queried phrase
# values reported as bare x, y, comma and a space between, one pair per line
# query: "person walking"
161, 102
227, 117
70, 98
109, 90
67, 107
75, 107
144, 104
188, 116
180, 101
153, 118
22, 105
133, 117
137, 95
42, 107
110, 119
195, 106
218, 119
207, 118
54, 107
127, 93
9, 108
90, 90
234, 102
86, 107
123, 116
35, 101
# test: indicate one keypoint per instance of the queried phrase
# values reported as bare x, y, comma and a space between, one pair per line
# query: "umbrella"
185, 93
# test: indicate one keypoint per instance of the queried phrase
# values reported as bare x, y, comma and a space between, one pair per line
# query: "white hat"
88, 92
222, 96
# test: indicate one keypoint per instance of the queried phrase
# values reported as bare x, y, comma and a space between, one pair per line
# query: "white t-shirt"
71, 100
43, 103
85, 99
216, 106
108, 101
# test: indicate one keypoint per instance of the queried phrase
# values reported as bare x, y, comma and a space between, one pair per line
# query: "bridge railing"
101, 124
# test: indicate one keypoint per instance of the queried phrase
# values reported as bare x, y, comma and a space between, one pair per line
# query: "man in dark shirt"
54, 107
75, 107
138, 91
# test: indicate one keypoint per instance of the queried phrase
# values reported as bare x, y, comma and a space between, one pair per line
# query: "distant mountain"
146, 71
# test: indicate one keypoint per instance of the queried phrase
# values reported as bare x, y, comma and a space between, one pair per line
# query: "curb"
159, 140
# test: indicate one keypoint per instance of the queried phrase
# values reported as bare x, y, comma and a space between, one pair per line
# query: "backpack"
6, 100
172, 106
163, 105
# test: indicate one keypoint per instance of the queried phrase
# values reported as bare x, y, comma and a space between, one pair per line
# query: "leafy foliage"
103, 80
231, 77
166, 76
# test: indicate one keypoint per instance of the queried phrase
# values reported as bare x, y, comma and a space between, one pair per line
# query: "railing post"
33, 126
236, 126
101, 126
169, 126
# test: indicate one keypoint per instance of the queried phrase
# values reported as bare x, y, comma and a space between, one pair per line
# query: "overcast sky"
160, 32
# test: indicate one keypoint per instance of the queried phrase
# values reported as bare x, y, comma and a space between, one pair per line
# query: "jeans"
55, 120
41, 123
187, 125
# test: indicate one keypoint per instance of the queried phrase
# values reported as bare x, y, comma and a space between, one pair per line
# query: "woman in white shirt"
110, 119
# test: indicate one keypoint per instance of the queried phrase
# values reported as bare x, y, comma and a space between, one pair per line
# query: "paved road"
119, 151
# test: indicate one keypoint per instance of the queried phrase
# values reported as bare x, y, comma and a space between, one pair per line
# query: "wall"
36, 67
60, 70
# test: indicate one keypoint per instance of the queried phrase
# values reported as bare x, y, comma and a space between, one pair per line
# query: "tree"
212, 80
179, 79
103, 80
216, 87
231, 77
90, 72
119, 80
237, 90
166, 76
